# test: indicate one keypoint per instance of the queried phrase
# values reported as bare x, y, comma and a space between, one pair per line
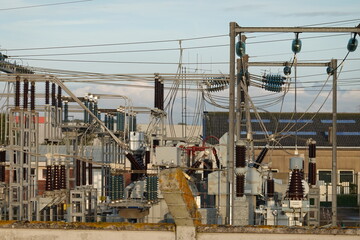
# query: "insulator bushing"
261, 157
62, 177
2, 173
147, 158
193, 168
47, 92
216, 159
17, 92
242, 96
78, 171
48, 180
312, 173
32, 96
296, 189
208, 167
90, 173
66, 111
240, 185
86, 114
270, 184
312, 150
240, 156
53, 95
59, 96
2, 165
83, 173
56, 178
26, 94
2, 156
159, 94
152, 188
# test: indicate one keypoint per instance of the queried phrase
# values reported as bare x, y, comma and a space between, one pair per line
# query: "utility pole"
231, 143
333, 64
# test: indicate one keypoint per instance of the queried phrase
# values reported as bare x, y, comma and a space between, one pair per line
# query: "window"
325, 175
345, 133
262, 120
295, 121
299, 133
338, 121
346, 176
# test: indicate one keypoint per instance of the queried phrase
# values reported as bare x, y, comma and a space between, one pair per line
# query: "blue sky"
111, 21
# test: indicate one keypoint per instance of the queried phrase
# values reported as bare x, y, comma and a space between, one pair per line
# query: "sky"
32, 24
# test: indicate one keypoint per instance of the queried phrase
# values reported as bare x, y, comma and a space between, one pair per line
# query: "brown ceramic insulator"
2, 156
312, 150
77, 172
270, 187
242, 96
161, 97
59, 96
261, 157
147, 158
216, 158
90, 173
240, 185
156, 91
17, 92
208, 167
193, 168
312, 173
2, 166
240, 156
47, 92
32, 96
53, 95
25, 157
83, 175
26, 94
48, 179
296, 190
62, 177
134, 162
56, 178
2, 173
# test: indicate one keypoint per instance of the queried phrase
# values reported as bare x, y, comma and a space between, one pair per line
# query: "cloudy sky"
31, 28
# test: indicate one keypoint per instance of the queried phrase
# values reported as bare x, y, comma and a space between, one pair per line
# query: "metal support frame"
234, 30
23, 158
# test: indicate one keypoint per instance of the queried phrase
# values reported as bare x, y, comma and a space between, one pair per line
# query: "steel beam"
239, 29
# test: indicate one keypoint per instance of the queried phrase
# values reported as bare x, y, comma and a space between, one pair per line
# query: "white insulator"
240, 171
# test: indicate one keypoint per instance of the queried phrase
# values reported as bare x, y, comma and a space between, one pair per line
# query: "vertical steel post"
231, 143
334, 146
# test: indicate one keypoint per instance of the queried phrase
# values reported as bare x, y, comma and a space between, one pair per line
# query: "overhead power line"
43, 5
123, 62
115, 44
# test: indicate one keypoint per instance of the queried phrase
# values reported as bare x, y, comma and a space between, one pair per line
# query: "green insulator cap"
352, 44
296, 45
287, 70
240, 48
330, 70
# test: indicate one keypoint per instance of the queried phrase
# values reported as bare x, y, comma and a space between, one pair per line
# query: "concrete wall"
17, 230
59, 234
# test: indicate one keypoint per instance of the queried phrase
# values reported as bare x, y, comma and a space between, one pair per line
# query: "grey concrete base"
185, 233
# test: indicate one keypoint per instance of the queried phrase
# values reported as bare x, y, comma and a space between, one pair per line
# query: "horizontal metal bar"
297, 29
299, 64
